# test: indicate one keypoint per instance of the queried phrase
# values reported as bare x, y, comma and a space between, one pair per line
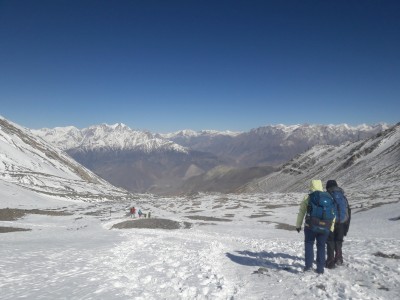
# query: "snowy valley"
66, 233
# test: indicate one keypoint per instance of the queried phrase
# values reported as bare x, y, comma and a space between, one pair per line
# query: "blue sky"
225, 65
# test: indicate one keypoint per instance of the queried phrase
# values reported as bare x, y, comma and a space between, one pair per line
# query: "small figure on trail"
319, 210
149, 215
133, 212
342, 224
140, 213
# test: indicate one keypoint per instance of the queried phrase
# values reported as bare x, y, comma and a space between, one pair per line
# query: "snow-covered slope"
110, 137
237, 247
320, 134
370, 166
30, 162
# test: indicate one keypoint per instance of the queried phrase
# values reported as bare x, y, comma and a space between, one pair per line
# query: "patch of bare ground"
234, 207
285, 226
273, 206
384, 255
195, 211
217, 206
98, 213
152, 224
259, 216
238, 206
211, 219
12, 229
12, 214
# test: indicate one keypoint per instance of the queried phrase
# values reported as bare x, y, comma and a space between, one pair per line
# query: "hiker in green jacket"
312, 230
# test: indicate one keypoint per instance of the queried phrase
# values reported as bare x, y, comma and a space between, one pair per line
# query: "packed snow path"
74, 257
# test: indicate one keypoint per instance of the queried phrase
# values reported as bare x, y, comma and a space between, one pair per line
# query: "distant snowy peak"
334, 134
187, 133
62, 137
104, 136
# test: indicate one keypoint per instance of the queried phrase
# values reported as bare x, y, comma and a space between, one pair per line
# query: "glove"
298, 229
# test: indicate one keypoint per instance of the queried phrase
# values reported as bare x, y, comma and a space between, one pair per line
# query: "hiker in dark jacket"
342, 223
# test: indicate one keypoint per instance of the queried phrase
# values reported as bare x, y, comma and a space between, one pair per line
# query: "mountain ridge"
365, 167
146, 162
117, 137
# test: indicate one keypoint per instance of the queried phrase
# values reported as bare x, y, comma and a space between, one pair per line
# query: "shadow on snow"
267, 260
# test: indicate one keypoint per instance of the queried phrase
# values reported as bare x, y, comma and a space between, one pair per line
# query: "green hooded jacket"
316, 185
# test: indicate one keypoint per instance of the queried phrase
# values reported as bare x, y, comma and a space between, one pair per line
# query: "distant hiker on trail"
342, 224
319, 210
140, 213
133, 212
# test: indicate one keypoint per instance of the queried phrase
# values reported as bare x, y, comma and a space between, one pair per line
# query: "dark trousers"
309, 239
334, 244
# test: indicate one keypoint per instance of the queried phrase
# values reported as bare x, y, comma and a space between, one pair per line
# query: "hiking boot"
338, 256
330, 264
339, 262
339, 259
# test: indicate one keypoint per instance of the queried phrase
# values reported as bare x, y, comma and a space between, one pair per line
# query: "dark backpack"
342, 205
320, 212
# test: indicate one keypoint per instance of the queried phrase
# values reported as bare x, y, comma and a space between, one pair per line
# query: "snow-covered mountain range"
273, 144
29, 162
121, 137
142, 161
107, 137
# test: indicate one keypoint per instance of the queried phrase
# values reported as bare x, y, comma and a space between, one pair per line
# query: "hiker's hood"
316, 185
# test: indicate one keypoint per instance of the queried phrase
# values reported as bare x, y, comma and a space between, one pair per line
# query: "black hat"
331, 183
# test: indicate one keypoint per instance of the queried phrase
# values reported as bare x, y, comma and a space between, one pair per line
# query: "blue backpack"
342, 205
321, 212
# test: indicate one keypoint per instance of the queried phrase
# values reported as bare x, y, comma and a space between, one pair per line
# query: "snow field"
79, 257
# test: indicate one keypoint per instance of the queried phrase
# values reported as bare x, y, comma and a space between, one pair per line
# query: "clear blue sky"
225, 65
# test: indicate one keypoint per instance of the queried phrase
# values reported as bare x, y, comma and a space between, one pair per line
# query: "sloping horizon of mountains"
369, 169
188, 162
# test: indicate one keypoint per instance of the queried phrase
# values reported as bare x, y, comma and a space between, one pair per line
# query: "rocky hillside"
367, 167
272, 144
